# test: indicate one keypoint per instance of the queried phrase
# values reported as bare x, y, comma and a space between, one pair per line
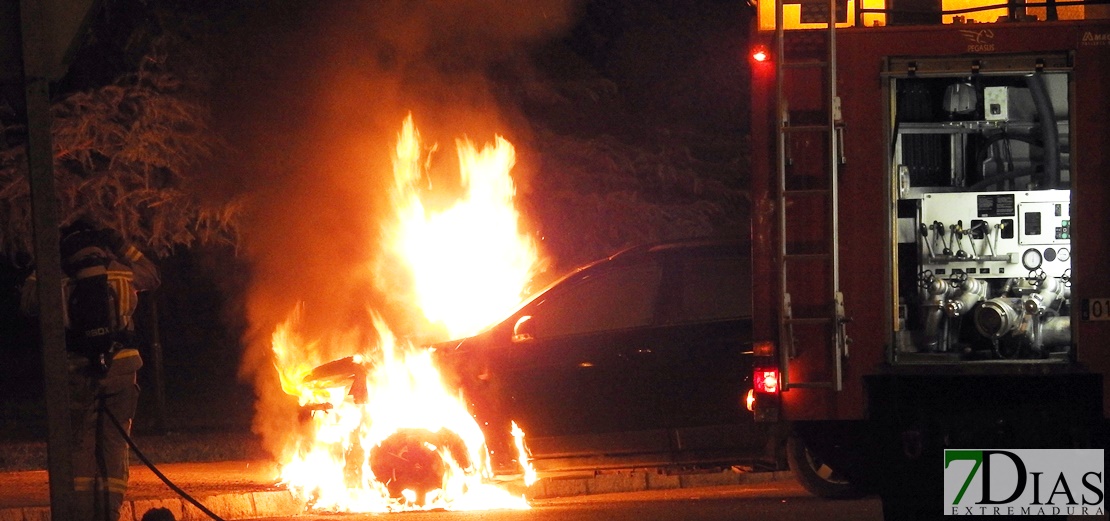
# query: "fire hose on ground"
146, 461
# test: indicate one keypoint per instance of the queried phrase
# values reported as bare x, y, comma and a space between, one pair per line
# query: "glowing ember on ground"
380, 431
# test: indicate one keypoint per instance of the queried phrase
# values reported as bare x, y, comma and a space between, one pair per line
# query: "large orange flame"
380, 430
470, 262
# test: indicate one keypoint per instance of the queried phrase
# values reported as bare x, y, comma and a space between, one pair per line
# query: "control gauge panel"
995, 234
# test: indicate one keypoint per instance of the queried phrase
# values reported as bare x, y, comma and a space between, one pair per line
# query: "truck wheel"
817, 477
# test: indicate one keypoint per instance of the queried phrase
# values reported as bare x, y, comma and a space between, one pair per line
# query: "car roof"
681, 245
705, 244
631, 254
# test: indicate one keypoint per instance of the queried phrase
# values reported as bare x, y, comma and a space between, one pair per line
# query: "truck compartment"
983, 211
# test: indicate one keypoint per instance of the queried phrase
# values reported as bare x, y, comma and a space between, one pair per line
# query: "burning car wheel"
415, 460
814, 473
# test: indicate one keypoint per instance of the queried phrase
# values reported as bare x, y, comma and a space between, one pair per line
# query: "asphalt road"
781, 500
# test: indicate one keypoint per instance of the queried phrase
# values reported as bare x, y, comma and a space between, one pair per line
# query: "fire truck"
931, 188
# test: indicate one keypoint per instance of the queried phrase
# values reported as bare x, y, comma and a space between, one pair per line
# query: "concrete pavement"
230, 489
249, 489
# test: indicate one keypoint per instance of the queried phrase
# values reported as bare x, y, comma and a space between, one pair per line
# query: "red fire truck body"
930, 221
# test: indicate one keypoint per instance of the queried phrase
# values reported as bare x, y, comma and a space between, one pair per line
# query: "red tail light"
766, 381
760, 54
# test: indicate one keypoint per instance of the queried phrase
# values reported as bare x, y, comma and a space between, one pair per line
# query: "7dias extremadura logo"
1025, 482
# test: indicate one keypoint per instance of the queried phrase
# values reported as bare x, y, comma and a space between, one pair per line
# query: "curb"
227, 506
637, 481
273, 503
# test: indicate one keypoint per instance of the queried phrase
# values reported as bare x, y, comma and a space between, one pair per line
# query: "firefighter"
100, 383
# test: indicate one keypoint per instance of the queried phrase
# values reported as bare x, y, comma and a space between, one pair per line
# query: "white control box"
1008, 104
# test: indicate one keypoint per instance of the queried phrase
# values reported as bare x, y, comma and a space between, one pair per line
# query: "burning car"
639, 359
379, 430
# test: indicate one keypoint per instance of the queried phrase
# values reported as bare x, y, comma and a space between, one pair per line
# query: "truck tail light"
766, 381
763, 348
760, 54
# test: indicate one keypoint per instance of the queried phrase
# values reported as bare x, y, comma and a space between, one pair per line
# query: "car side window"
615, 298
713, 288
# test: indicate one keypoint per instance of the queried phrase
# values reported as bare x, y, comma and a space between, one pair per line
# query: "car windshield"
710, 290
536, 294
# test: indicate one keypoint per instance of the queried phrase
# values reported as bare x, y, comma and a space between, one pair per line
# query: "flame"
408, 444
523, 455
380, 431
470, 262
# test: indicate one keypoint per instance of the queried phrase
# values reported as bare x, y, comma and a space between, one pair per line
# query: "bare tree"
126, 155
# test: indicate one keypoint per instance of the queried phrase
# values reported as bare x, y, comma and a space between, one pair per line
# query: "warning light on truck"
760, 54
766, 381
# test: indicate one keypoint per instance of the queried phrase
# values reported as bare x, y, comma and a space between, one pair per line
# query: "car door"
705, 361
581, 369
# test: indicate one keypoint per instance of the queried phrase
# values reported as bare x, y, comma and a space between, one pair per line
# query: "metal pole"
781, 120
40, 168
159, 370
834, 197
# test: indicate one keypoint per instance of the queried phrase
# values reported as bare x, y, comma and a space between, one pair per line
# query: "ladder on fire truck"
810, 318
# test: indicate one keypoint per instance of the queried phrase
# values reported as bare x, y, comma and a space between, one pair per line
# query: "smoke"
313, 100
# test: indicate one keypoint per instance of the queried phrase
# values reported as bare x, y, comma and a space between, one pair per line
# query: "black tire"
815, 475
